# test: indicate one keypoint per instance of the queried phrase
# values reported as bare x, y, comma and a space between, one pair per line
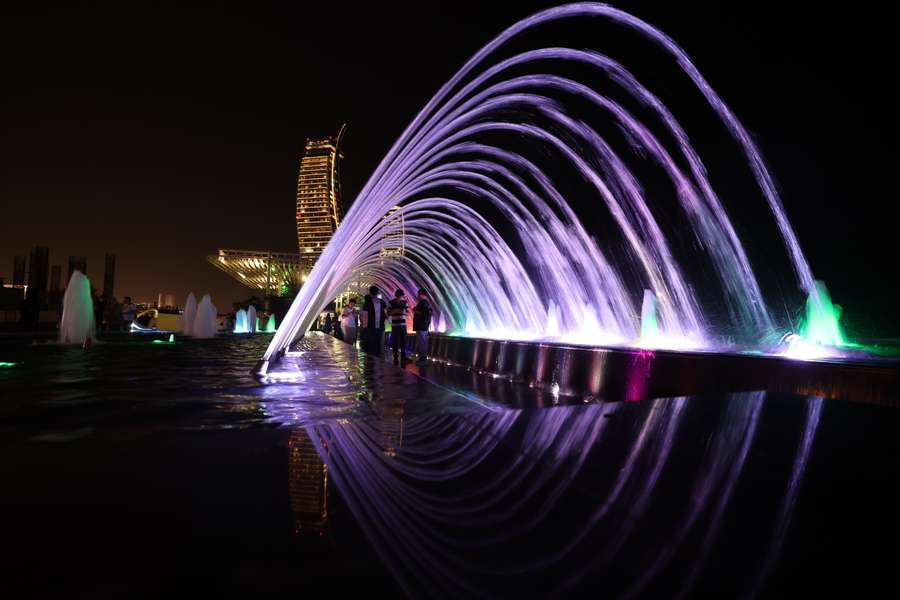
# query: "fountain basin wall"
636, 374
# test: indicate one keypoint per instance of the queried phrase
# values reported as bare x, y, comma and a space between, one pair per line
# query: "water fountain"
270, 324
649, 324
252, 321
240, 321
544, 276
190, 312
205, 322
77, 323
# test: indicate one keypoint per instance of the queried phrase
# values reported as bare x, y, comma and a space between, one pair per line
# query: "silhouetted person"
31, 312
363, 325
375, 307
421, 323
99, 312
113, 315
129, 311
338, 333
397, 310
326, 326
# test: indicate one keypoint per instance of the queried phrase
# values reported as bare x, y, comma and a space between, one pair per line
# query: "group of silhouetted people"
109, 314
368, 323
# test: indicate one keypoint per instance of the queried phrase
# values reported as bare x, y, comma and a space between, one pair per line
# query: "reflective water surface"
141, 469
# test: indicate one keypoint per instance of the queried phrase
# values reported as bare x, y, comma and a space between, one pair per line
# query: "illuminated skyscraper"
318, 196
395, 234
318, 214
394, 245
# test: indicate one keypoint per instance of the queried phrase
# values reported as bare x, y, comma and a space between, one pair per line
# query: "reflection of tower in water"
307, 482
390, 426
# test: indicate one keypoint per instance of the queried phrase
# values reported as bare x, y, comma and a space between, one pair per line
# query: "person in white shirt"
348, 322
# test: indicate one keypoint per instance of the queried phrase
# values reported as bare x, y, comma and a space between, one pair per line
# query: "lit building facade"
318, 197
395, 234
271, 272
318, 215
394, 245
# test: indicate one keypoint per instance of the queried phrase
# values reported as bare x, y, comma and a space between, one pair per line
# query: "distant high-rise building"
55, 276
165, 300
319, 209
76, 263
55, 293
318, 214
38, 272
109, 275
19, 271
395, 234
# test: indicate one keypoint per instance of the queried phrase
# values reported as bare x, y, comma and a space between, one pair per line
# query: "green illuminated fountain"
821, 324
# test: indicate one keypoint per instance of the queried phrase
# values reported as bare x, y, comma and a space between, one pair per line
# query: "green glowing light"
649, 324
8, 364
171, 340
821, 324
270, 324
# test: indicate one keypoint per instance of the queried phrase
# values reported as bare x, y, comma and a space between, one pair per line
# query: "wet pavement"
141, 470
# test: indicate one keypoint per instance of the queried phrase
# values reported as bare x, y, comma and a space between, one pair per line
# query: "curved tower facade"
318, 215
318, 197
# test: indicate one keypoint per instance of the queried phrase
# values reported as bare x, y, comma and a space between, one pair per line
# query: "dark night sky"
161, 133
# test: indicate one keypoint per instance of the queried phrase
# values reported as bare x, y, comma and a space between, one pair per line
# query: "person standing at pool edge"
421, 323
375, 307
129, 311
364, 325
348, 322
397, 310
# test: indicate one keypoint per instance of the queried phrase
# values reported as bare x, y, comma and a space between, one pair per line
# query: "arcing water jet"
491, 142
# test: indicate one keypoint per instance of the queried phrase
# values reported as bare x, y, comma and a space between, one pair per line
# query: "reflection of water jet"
448, 509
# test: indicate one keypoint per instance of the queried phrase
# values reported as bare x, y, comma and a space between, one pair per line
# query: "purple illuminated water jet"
555, 281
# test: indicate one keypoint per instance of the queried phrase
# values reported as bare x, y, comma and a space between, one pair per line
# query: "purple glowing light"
481, 286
